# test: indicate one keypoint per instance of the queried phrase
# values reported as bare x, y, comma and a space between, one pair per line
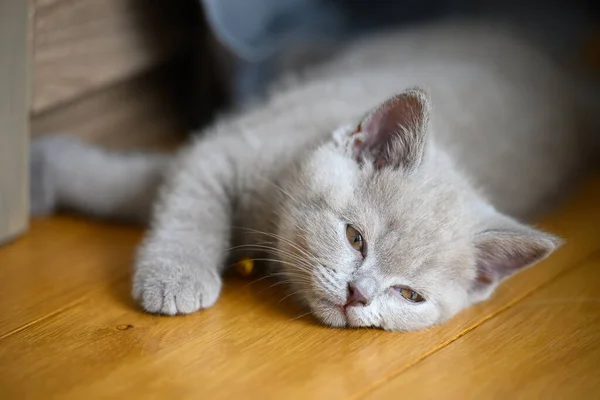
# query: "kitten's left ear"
395, 133
505, 249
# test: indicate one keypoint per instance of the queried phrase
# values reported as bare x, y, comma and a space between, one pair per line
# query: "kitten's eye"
355, 238
409, 294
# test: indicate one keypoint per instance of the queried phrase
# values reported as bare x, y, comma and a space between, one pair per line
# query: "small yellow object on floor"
245, 267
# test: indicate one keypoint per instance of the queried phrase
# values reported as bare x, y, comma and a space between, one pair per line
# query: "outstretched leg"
69, 174
179, 265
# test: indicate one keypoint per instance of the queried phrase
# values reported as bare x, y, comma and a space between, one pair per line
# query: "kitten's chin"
329, 313
334, 315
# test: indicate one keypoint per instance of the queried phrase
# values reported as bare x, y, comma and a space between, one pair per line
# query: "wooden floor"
69, 329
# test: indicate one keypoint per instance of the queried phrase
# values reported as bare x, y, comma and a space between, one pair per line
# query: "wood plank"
83, 45
136, 114
546, 346
99, 345
14, 108
60, 261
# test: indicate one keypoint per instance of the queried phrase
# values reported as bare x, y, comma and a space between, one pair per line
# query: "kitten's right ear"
395, 133
505, 248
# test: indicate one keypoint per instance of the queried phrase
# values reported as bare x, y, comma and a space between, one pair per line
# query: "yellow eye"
355, 238
410, 294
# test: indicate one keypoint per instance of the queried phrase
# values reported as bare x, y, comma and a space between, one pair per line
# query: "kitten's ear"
395, 133
506, 249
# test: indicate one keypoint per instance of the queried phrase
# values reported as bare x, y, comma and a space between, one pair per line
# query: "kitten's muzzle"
356, 297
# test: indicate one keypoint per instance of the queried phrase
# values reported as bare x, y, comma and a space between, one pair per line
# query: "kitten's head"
379, 230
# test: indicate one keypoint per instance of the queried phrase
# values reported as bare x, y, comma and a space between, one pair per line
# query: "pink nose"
355, 297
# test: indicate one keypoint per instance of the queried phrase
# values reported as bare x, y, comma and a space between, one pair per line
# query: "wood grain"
547, 346
83, 45
14, 126
58, 263
75, 333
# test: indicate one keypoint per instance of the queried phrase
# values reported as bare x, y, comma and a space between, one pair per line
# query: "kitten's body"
502, 127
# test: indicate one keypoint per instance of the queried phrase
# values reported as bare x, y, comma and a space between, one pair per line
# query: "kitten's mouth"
331, 313
339, 316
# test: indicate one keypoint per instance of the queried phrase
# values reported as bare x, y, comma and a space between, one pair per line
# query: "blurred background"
143, 73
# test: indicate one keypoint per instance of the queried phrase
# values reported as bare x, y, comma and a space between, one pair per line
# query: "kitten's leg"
65, 173
179, 264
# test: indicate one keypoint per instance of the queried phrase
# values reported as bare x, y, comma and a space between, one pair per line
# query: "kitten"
386, 186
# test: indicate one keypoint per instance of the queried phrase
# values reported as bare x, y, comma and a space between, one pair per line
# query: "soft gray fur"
469, 129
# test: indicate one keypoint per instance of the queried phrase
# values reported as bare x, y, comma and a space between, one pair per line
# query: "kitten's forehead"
413, 221
413, 203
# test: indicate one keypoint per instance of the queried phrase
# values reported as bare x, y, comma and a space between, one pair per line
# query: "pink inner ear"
394, 117
394, 133
501, 255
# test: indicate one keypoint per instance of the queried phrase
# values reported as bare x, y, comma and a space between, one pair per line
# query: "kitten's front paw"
161, 290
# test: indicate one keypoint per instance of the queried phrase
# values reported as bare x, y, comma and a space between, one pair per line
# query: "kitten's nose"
355, 297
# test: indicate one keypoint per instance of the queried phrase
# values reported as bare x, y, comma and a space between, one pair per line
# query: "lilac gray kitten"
386, 185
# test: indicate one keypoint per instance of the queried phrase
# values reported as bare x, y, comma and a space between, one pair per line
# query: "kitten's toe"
152, 298
172, 295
